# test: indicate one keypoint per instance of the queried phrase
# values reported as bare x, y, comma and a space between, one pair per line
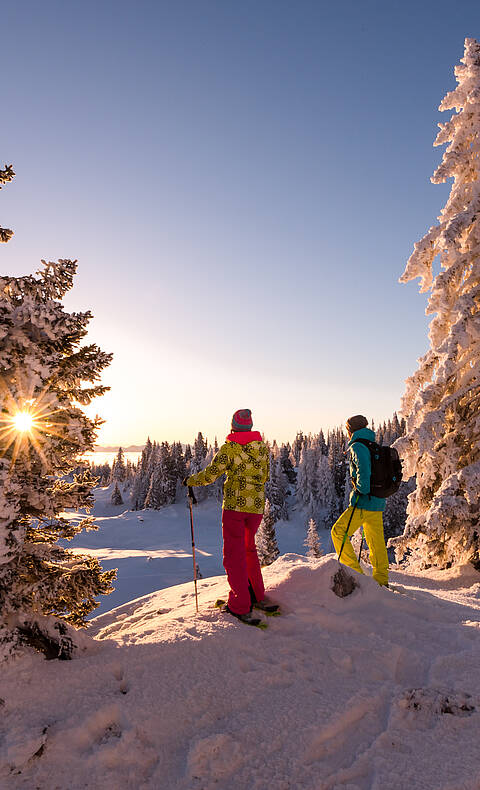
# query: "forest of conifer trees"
310, 475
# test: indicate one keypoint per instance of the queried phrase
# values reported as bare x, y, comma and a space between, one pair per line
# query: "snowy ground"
376, 691
322, 700
152, 548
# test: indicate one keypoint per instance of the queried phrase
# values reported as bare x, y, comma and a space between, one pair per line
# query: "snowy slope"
166, 698
152, 548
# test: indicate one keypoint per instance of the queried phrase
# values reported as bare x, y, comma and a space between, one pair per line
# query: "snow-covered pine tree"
395, 515
297, 447
442, 399
199, 462
307, 476
178, 461
327, 497
266, 539
155, 496
6, 175
129, 474
287, 466
276, 488
116, 498
188, 458
168, 462
338, 465
102, 473
119, 470
200, 450
44, 586
141, 481
312, 541
322, 445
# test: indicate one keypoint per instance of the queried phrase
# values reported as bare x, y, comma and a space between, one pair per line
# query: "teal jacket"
360, 468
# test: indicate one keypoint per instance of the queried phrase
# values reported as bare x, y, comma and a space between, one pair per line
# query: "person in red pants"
245, 459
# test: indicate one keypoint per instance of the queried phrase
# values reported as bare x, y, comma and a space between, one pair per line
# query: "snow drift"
379, 689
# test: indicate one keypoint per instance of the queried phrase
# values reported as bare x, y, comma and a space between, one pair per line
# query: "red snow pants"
240, 559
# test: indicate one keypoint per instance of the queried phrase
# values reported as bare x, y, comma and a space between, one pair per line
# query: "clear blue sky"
242, 183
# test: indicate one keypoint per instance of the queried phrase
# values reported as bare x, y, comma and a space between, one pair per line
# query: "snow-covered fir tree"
6, 175
158, 476
141, 480
287, 465
395, 514
200, 450
327, 497
178, 461
337, 460
276, 488
198, 462
102, 473
297, 447
119, 470
307, 475
266, 539
44, 586
129, 474
116, 498
312, 540
154, 476
169, 470
442, 399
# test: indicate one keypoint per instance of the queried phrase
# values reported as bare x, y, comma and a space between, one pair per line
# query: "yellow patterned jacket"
246, 461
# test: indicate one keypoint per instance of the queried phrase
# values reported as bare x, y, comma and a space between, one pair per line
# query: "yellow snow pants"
372, 522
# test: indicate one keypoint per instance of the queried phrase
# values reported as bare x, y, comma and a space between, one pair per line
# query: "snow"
377, 690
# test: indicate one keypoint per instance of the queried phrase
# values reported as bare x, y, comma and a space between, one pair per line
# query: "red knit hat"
242, 420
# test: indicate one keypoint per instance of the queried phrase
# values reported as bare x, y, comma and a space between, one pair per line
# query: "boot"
247, 618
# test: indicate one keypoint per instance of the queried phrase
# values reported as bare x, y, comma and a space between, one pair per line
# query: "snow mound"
378, 689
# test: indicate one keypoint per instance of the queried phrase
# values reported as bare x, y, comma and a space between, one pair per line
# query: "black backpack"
386, 474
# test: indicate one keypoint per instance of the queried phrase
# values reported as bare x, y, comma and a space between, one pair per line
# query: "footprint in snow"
214, 758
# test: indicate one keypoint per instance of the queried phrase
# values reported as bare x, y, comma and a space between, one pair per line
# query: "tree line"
311, 475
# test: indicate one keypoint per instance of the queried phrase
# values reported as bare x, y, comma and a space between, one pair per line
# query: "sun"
23, 422
26, 422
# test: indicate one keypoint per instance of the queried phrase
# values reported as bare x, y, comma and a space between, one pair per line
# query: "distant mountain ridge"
132, 448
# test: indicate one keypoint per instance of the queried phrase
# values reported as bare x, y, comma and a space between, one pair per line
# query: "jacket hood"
244, 437
363, 433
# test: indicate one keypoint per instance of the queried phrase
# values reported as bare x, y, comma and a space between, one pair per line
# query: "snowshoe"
247, 618
270, 609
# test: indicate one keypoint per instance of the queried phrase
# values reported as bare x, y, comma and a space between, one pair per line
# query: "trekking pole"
193, 501
348, 527
361, 547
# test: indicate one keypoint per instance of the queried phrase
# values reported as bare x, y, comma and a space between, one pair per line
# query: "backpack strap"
370, 446
366, 443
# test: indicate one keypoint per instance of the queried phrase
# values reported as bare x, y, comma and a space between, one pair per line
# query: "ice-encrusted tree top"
442, 399
6, 175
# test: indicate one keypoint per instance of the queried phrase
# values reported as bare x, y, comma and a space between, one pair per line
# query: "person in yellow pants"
368, 509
